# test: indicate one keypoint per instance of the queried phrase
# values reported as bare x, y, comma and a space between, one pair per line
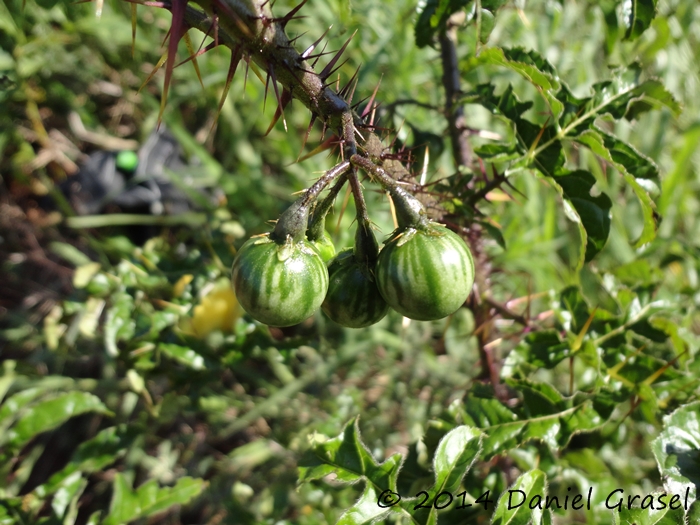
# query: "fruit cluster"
424, 271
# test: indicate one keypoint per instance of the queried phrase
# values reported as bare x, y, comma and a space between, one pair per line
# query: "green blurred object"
127, 161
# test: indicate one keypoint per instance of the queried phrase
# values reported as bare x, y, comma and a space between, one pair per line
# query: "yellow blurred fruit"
218, 310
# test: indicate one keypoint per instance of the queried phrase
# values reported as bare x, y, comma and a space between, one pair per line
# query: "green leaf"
435, 14
527, 63
67, 494
638, 15
184, 355
70, 253
453, 458
677, 450
104, 449
649, 511
633, 166
513, 508
149, 499
572, 300
455, 455
495, 232
541, 349
592, 214
348, 457
119, 324
366, 510
51, 413
548, 418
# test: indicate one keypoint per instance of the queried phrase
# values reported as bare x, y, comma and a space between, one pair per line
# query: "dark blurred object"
108, 182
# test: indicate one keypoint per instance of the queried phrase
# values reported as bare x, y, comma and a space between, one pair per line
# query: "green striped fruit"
425, 273
325, 247
279, 284
353, 299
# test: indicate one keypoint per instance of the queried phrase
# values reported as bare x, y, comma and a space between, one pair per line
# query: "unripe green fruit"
425, 274
325, 247
353, 299
127, 161
279, 284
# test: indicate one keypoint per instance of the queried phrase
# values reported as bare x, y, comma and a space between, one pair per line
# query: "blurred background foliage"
135, 389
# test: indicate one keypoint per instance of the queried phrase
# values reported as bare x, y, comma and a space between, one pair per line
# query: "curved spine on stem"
294, 220
410, 212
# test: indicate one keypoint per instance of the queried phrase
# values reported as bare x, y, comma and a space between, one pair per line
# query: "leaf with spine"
529, 64
50, 413
510, 512
149, 499
638, 16
677, 450
347, 457
648, 515
633, 166
544, 416
528, 135
540, 147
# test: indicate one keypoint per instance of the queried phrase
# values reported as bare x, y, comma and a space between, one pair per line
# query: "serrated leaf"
625, 96
637, 15
542, 349
548, 159
527, 63
512, 508
504, 429
149, 499
623, 156
632, 165
51, 413
497, 152
677, 450
366, 510
348, 458
591, 213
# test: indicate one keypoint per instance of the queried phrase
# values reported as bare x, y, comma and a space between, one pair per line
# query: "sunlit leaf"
50, 413
677, 450
149, 499
513, 507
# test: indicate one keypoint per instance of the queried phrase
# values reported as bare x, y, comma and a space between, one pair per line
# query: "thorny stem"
317, 223
410, 213
462, 155
251, 26
454, 111
294, 220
